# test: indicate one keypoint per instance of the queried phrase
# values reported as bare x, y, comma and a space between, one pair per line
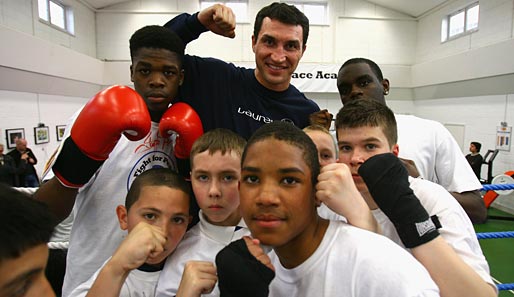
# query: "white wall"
27, 110
481, 116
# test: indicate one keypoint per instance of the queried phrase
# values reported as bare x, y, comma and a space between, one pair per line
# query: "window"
240, 8
461, 22
316, 12
57, 14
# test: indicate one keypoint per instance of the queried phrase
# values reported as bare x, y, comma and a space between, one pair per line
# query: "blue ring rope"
498, 187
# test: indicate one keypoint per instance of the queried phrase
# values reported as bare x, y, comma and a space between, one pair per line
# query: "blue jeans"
31, 181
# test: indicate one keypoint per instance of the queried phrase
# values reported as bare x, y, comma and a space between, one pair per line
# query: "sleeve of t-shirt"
187, 27
452, 169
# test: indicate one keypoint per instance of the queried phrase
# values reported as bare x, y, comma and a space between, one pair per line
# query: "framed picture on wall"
41, 134
59, 129
12, 135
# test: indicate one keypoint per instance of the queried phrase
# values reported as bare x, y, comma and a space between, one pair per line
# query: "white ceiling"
413, 8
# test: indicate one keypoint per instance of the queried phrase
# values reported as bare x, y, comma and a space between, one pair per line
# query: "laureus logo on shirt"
253, 115
258, 117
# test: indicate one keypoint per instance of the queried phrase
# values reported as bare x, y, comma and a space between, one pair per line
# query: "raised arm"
337, 190
218, 19
93, 136
387, 181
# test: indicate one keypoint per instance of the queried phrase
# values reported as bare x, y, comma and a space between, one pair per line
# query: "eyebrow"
280, 170
365, 76
369, 139
22, 278
201, 171
274, 38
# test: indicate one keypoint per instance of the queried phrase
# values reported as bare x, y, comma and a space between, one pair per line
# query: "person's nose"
356, 92
278, 55
267, 195
214, 189
357, 158
157, 80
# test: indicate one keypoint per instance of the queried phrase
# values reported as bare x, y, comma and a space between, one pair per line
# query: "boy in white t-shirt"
366, 130
311, 256
156, 215
215, 170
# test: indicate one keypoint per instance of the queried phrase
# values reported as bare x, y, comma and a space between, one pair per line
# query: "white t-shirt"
201, 243
457, 230
437, 155
95, 233
352, 262
137, 284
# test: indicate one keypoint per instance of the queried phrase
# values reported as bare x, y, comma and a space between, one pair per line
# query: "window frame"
68, 17
224, 2
300, 5
445, 23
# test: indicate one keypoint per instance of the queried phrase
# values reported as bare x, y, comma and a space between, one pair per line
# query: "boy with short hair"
156, 215
26, 229
367, 141
215, 171
311, 256
117, 135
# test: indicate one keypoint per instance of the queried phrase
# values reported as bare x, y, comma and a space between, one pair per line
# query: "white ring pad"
502, 179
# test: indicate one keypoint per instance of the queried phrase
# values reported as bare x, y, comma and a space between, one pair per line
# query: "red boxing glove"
96, 131
184, 120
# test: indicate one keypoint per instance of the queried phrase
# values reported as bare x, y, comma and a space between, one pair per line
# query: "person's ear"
385, 86
131, 73
254, 42
396, 150
122, 214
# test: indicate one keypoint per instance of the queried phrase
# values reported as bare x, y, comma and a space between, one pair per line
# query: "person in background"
9, 171
20, 154
474, 158
436, 155
27, 225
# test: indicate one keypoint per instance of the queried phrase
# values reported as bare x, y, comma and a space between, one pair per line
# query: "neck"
300, 248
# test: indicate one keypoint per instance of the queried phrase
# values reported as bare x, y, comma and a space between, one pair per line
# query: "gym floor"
499, 252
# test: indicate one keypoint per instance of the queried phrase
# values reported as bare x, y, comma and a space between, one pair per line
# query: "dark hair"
285, 13
25, 223
218, 140
156, 177
156, 37
478, 145
374, 67
292, 135
368, 113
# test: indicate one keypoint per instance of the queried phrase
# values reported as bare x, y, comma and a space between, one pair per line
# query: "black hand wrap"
240, 274
387, 181
72, 167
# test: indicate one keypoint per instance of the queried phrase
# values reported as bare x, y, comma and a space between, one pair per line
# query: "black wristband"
418, 233
240, 273
388, 183
73, 167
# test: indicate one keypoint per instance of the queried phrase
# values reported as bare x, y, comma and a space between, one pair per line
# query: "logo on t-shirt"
154, 159
260, 118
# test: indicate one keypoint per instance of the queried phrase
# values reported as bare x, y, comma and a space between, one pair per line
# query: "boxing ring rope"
496, 235
498, 187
